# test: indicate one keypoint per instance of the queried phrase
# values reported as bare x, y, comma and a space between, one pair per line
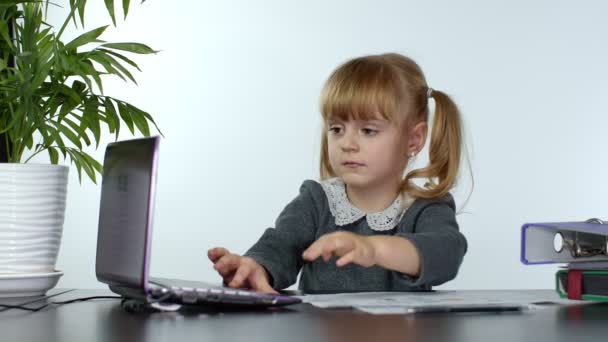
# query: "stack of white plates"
26, 285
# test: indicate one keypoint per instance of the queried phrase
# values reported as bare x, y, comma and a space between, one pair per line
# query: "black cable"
56, 303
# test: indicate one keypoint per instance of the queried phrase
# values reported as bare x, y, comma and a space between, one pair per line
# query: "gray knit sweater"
429, 224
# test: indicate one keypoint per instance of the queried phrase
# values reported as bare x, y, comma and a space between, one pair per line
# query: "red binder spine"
575, 284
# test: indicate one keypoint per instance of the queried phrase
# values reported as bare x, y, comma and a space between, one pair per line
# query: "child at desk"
364, 226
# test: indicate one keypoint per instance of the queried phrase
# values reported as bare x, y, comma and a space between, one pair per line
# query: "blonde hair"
394, 86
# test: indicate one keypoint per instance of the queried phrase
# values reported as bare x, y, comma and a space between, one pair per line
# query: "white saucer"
27, 284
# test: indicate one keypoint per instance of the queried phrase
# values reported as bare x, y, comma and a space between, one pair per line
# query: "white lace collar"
345, 213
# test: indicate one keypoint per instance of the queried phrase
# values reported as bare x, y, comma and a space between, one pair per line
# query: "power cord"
57, 303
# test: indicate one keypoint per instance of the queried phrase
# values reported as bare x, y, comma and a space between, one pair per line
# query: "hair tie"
429, 92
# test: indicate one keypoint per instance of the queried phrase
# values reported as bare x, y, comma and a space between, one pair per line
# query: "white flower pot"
32, 208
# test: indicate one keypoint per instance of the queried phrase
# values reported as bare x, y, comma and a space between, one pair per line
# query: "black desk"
105, 320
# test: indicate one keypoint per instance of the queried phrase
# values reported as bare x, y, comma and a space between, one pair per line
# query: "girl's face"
367, 153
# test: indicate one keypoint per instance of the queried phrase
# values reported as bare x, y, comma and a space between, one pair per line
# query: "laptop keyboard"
218, 295
192, 296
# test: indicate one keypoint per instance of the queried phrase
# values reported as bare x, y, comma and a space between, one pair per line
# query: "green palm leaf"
53, 101
130, 47
86, 38
125, 7
110, 8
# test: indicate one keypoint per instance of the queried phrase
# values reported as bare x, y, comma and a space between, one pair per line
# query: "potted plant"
52, 102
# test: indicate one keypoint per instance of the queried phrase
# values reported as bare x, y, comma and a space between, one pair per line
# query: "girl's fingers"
227, 263
240, 276
326, 246
227, 279
346, 259
227, 273
344, 246
312, 252
217, 252
259, 282
327, 251
338, 243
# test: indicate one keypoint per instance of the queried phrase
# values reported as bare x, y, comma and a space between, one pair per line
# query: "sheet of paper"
399, 302
391, 310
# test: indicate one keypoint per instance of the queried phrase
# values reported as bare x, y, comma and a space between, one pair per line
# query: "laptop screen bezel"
116, 281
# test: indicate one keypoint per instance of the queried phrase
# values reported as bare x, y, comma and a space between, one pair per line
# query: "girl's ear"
416, 138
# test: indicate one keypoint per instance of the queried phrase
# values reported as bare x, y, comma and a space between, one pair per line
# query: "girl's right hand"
238, 271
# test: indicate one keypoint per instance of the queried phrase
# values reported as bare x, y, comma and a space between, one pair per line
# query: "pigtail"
444, 151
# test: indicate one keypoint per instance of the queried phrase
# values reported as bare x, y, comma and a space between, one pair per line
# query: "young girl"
366, 227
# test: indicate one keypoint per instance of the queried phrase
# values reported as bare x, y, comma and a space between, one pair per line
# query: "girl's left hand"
349, 247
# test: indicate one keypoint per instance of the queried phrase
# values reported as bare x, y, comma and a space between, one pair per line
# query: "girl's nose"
349, 142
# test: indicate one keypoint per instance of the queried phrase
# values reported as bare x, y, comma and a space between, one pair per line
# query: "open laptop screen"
125, 214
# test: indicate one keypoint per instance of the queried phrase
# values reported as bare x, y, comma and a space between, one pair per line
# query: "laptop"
125, 234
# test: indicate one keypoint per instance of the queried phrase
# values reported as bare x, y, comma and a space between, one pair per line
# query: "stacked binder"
581, 246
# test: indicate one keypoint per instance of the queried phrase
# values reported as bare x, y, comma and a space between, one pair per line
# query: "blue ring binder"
585, 241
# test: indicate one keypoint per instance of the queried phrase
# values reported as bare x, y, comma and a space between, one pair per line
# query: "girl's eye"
369, 131
335, 129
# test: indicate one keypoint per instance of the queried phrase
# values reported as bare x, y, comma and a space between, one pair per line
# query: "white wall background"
235, 92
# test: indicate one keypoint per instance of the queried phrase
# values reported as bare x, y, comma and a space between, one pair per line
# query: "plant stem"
67, 20
32, 156
8, 147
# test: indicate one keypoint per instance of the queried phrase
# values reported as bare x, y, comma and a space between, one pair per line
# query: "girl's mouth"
352, 164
